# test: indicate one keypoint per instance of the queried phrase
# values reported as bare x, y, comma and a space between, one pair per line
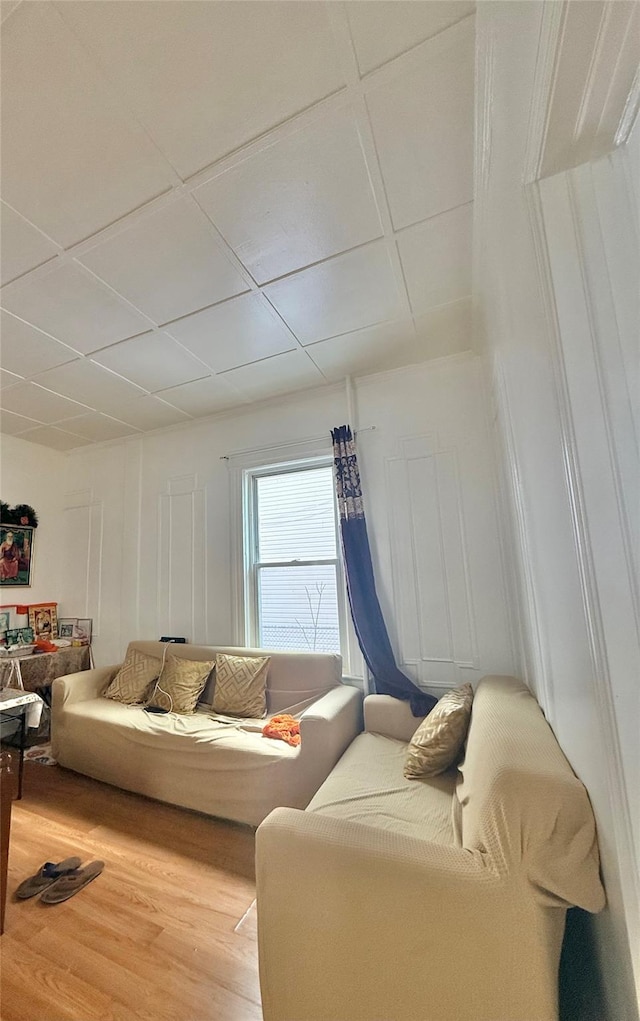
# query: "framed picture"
16, 552
20, 636
66, 626
43, 618
5, 622
82, 630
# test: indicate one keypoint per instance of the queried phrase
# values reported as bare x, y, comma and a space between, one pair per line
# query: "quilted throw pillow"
438, 740
180, 684
241, 683
133, 678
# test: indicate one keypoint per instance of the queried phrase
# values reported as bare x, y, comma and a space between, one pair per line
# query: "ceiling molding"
576, 82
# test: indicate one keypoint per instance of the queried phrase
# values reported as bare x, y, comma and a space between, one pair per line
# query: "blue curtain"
363, 599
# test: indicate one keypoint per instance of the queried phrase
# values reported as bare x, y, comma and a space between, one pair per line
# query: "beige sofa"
226, 769
428, 900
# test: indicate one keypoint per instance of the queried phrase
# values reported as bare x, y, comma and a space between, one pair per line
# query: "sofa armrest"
328, 727
81, 686
390, 716
394, 926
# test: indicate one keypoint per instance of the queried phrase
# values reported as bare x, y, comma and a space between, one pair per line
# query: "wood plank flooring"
166, 933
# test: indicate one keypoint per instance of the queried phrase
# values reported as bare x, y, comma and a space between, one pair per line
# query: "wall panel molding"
181, 606
431, 570
84, 527
556, 221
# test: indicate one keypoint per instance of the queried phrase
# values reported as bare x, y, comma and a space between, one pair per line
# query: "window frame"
252, 566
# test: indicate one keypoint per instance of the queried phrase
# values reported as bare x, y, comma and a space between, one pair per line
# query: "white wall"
150, 520
34, 475
554, 283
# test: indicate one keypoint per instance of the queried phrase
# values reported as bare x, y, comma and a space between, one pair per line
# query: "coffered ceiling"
209, 204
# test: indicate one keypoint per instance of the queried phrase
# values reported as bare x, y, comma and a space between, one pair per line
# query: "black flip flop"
48, 874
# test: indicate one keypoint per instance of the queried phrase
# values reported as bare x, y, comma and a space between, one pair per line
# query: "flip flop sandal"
66, 886
47, 875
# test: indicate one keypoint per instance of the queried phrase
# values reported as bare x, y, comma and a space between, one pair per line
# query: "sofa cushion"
294, 679
240, 686
180, 684
367, 786
438, 741
131, 683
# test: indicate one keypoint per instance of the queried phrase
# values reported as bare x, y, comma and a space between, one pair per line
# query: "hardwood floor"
168, 931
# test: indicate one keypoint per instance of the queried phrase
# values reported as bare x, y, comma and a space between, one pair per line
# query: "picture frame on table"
16, 555
19, 636
82, 630
5, 624
43, 618
66, 626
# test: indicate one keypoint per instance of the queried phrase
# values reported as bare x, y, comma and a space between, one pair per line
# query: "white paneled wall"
432, 570
556, 271
160, 510
182, 556
83, 528
599, 386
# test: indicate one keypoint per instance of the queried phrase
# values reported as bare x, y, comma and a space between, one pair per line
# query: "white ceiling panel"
167, 264
97, 427
74, 307
204, 78
374, 349
234, 333
13, 424
204, 397
423, 126
301, 200
8, 378
354, 290
92, 384
150, 413
436, 258
57, 439
26, 350
446, 330
72, 162
382, 30
35, 402
22, 247
119, 282
278, 375
153, 362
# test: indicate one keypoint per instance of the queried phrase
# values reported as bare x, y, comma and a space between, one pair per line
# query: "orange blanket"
284, 728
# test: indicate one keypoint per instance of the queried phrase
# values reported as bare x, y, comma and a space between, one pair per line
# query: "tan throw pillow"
438, 740
180, 684
241, 685
132, 681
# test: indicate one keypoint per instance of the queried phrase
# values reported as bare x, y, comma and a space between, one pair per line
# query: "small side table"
25, 707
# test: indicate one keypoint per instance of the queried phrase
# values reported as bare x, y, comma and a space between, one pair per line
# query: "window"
294, 582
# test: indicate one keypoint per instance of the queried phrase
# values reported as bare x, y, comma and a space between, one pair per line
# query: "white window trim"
242, 467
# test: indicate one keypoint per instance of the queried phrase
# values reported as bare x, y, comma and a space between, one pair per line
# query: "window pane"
298, 608
296, 515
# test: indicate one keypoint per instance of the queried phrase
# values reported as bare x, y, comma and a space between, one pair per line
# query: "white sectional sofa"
439, 899
226, 769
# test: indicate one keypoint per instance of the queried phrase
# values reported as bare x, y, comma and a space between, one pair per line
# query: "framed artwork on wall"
43, 618
16, 555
